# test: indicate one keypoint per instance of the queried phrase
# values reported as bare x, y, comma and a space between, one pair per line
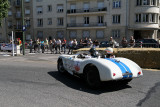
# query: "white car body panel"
7, 47
106, 67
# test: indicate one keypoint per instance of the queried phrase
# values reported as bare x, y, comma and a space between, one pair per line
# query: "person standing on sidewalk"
64, 45
70, 44
30, 45
38, 44
58, 42
51, 46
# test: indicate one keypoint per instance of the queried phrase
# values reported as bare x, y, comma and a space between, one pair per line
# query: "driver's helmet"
93, 52
109, 50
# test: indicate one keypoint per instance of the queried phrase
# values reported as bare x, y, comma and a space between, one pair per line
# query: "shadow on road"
79, 84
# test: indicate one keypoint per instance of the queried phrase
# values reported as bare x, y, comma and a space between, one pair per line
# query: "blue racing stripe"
118, 64
127, 68
122, 67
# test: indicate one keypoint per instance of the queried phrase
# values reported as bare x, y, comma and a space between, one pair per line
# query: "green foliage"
4, 5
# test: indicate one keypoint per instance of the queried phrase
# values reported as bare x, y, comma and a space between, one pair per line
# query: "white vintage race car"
96, 70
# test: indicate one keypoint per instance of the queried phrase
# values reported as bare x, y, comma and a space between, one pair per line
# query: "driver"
93, 52
109, 52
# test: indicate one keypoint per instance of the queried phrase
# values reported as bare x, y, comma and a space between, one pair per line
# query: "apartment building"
101, 19
14, 20
49, 19
96, 19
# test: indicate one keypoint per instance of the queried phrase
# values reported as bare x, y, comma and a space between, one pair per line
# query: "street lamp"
23, 27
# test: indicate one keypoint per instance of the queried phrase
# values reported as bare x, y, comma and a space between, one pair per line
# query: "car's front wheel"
92, 77
60, 66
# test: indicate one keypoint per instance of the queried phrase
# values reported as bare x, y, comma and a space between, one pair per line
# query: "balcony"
87, 11
84, 26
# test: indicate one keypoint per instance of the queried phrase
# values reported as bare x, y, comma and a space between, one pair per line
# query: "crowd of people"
58, 46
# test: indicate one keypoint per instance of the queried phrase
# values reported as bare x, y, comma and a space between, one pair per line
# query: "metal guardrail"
72, 11
142, 45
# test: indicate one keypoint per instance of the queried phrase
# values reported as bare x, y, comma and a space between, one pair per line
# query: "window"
49, 8
39, 9
60, 34
116, 4
100, 34
145, 17
145, 2
86, 34
60, 8
115, 33
73, 8
139, 2
100, 5
39, 22
100, 19
138, 17
86, 20
60, 21
27, 0
27, 11
153, 2
10, 24
116, 18
86, 7
73, 34
40, 34
28, 23
9, 13
49, 21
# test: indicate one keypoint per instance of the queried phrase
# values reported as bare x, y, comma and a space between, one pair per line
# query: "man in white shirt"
58, 42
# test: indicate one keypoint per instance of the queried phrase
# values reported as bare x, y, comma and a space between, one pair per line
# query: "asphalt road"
33, 81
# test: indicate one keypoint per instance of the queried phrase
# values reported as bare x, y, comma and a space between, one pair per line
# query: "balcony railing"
87, 25
18, 27
72, 11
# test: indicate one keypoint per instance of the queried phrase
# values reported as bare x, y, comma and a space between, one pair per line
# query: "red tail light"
139, 73
114, 74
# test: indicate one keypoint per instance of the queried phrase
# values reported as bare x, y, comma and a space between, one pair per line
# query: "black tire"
92, 78
60, 66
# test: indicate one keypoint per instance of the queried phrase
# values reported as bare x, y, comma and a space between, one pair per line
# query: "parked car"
147, 43
7, 47
104, 44
98, 69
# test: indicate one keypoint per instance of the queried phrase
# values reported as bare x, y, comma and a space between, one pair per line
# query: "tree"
4, 5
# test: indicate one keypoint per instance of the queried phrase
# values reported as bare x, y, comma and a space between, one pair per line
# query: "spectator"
80, 45
96, 44
124, 42
51, 46
38, 45
85, 43
64, 45
54, 45
70, 46
113, 43
42, 45
90, 43
30, 45
58, 42
46, 44
132, 42
74, 45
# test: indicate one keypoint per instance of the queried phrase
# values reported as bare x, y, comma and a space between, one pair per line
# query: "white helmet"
109, 50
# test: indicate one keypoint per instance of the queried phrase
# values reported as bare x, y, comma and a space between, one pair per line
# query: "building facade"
95, 19
49, 19
14, 20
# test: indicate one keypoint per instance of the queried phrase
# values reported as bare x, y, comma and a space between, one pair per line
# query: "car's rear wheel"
60, 66
92, 77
